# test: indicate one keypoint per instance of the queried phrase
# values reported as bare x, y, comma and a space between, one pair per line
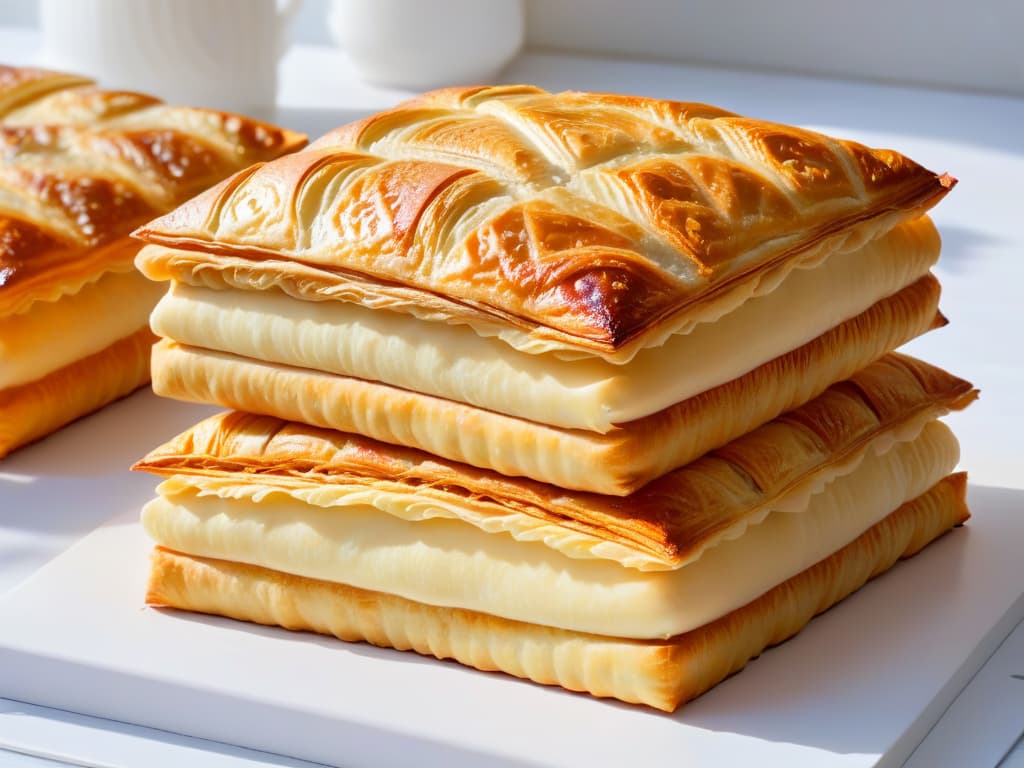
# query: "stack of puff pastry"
80, 168
594, 390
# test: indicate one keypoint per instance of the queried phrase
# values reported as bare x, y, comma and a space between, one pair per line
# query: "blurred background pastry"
81, 168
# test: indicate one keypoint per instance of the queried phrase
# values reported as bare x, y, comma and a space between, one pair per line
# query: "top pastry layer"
665, 524
589, 223
80, 168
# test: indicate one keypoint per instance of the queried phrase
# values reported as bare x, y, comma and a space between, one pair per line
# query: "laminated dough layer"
34, 410
616, 463
446, 562
455, 363
55, 334
661, 674
665, 524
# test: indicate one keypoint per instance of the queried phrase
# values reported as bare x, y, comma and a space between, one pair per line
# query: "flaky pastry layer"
34, 410
660, 674
587, 222
455, 363
667, 522
413, 547
616, 463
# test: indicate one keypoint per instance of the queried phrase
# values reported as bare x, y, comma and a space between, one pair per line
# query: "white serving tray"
860, 686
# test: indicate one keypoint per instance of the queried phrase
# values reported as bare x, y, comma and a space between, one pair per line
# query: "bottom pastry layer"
35, 409
659, 673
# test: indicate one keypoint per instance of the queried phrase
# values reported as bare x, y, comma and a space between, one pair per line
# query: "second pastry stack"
80, 168
590, 389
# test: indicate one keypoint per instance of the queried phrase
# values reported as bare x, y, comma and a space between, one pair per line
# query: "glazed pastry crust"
617, 463
80, 168
659, 674
34, 410
588, 223
671, 520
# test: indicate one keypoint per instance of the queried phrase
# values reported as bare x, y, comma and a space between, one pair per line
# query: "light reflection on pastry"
80, 168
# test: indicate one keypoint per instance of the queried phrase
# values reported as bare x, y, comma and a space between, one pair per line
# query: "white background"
967, 44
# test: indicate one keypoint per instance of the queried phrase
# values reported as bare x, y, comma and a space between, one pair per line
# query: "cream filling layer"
454, 362
450, 563
423, 503
52, 334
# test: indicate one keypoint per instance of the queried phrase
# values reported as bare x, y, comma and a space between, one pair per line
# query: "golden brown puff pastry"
587, 223
659, 673
669, 522
80, 168
616, 463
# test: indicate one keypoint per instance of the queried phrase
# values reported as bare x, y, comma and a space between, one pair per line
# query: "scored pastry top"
592, 221
81, 167
665, 524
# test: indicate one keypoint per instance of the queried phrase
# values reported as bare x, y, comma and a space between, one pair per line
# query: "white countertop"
975, 137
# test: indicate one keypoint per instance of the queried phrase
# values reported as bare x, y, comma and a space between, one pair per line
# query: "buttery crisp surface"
659, 673
570, 222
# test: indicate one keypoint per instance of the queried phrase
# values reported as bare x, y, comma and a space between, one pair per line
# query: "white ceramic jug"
214, 53
420, 45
